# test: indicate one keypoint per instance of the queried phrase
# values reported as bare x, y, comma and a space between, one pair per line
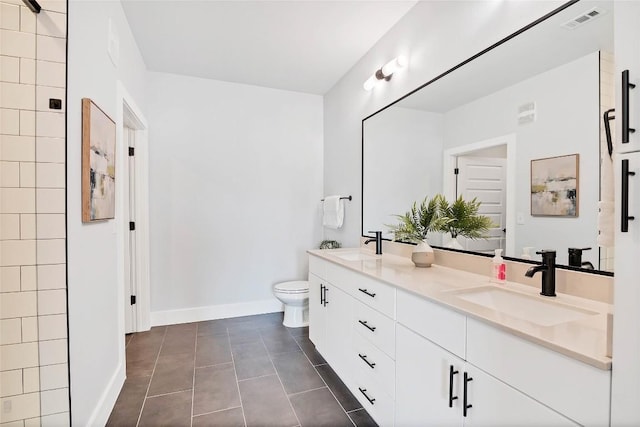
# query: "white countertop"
584, 339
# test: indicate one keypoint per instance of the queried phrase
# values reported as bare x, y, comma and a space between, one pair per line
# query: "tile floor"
245, 371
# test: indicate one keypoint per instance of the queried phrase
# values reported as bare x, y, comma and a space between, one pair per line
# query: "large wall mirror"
478, 130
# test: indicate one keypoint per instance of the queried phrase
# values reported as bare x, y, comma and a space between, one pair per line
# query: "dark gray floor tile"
170, 360
215, 389
310, 350
212, 350
248, 350
274, 332
319, 408
179, 345
296, 373
254, 367
342, 393
140, 368
284, 344
244, 336
265, 403
170, 410
228, 418
212, 328
299, 332
129, 404
170, 378
361, 418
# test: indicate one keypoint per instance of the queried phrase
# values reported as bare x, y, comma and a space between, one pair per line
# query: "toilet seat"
294, 287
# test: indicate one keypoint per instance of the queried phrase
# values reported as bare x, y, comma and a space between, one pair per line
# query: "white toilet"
295, 297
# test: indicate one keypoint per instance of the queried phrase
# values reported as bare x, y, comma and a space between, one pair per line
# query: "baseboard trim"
107, 401
211, 312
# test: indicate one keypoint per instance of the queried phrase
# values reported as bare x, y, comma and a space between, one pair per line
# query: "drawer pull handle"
363, 391
364, 323
326, 289
452, 372
626, 173
321, 294
364, 357
626, 86
465, 406
365, 291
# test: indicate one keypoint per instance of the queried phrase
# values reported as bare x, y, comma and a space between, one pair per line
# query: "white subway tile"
31, 380
50, 200
50, 74
56, 420
27, 123
27, 226
9, 279
54, 376
54, 401
18, 356
33, 422
9, 174
51, 251
27, 174
9, 121
52, 302
50, 150
14, 43
11, 383
9, 226
28, 20
9, 17
51, 226
44, 93
54, 5
17, 96
51, 49
52, 352
27, 71
50, 124
9, 69
19, 423
28, 278
11, 331
52, 277
50, 175
30, 329
52, 327
52, 24
22, 406
17, 252
18, 304
17, 148
17, 200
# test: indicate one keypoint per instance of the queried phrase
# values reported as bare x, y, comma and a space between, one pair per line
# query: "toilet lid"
295, 287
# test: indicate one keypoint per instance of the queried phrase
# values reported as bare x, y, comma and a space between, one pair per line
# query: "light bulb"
370, 83
394, 65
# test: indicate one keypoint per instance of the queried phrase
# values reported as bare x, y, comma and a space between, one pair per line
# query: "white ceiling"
303, 45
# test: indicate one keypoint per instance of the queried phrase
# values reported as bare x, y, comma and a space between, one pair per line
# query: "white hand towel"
333, 212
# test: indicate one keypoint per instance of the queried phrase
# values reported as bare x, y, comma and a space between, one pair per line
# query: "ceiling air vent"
583, 18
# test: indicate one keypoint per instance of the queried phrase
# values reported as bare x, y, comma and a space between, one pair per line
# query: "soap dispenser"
499, 268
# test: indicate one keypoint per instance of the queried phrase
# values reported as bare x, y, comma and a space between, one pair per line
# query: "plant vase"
454, 244
423, 255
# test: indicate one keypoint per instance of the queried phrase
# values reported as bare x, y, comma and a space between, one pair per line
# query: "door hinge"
132, 151
456, 171
133, 299
132, 225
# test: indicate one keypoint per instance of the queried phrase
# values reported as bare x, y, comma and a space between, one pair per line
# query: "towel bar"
341, 198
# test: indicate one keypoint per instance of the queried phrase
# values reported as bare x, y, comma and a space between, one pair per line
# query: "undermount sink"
354, 256
526, 307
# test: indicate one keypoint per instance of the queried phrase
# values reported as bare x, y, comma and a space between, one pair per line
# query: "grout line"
306, 391
280, 380
155, 364
193, 383
168, 394
255, 378
244, 418
218, 410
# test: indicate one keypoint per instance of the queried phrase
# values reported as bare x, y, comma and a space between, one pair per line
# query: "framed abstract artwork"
98, 163
554, 186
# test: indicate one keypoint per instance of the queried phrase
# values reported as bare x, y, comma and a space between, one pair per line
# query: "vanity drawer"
574, 389
375, 327
373, 362
374, 293
438, 324
374, 398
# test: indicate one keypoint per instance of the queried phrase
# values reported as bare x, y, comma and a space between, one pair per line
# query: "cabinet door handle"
624, 223
626, 86
326, 289
321, 294
364, 357
364, 393
465, 404
365, 291
364, 323
452, 372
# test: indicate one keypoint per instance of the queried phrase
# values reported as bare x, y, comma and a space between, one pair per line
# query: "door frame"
449, 180
128, 114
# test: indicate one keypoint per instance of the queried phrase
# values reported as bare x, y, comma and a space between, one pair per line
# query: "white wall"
235, 188
430, 36
95, 340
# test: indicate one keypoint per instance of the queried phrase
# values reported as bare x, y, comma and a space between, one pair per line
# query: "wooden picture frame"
98, 163
555, 186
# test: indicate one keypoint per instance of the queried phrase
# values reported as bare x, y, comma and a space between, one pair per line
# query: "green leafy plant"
464, 219
420, 220
330, 244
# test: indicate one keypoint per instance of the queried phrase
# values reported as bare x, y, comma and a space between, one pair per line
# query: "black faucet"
575, 258
548, 268
378, 240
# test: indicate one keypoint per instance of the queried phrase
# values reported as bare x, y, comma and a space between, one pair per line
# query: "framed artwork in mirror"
98, 163
554, 186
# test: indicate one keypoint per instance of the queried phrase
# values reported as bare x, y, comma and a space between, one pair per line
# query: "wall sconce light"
386, 72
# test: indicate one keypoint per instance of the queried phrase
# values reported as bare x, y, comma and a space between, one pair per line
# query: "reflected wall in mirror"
474, 132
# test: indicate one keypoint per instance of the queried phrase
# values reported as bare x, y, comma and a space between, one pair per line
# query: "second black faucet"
548, 269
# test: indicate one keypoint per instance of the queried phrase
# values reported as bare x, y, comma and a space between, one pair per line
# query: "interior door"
485, 178
130, 311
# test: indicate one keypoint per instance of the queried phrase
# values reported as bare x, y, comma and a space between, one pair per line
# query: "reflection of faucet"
548, 268
378, 240
575, 258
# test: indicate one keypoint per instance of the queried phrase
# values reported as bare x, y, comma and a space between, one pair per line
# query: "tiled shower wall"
34, 386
